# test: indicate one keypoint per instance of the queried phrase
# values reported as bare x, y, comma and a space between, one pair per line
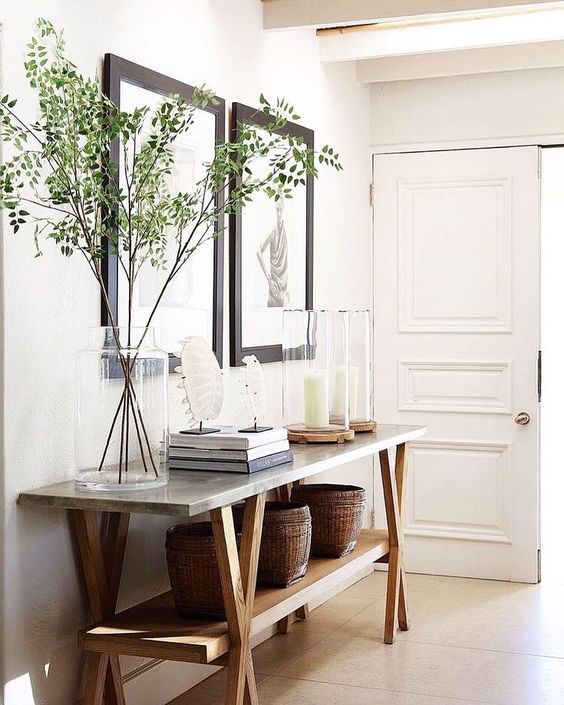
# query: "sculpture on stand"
202, 383
255, 394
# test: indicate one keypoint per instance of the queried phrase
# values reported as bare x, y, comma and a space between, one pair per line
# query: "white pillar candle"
316, 399
353, 392
339, 389
338, 406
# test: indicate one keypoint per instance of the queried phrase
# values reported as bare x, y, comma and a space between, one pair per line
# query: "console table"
153, 629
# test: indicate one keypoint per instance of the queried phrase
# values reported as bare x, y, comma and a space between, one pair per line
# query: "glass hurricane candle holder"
360, 383
315, 355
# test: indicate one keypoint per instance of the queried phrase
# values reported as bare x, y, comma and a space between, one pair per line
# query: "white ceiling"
403, 39
293, 14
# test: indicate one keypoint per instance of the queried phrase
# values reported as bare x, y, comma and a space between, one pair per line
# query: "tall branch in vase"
60, 182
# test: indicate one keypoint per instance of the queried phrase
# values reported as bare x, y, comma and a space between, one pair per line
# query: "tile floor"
471, 641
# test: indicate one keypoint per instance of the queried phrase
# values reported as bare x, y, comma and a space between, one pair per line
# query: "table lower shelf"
154, 630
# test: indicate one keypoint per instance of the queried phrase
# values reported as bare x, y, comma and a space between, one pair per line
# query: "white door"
456, 319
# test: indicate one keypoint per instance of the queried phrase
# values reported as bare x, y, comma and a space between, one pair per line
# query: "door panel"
456, 340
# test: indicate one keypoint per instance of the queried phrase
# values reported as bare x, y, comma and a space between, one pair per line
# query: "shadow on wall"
42, 629
43, 644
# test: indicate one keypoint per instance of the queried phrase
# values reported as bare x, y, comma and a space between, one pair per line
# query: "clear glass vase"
121, 425
360, 381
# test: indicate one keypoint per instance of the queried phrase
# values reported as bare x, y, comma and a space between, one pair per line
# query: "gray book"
270, 461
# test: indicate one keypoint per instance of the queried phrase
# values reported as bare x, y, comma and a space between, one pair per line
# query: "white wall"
505, 106
49, 302
552, 342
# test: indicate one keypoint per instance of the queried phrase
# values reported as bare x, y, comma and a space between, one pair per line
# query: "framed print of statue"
193, 303
271, 256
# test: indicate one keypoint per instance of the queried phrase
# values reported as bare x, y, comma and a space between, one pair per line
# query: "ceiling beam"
441, 35
294, 14
519, 57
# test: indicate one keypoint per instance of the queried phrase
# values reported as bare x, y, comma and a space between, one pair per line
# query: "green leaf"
83, 199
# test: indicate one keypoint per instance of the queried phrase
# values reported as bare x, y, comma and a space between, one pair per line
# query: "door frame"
545, 140
539, 141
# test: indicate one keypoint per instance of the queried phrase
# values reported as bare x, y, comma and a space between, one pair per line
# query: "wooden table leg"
401, 470
94, 678
395, 535
284, 494
238, 573
102, 549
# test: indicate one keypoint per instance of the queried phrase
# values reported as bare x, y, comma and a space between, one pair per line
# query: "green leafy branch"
61, 179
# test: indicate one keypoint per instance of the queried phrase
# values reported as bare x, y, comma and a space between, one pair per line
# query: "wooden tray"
363, 426
296, 435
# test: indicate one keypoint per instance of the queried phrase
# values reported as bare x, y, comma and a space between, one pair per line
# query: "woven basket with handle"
193, 571
336, 516
285, 542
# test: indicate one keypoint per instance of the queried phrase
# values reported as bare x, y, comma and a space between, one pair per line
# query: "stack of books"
229, 450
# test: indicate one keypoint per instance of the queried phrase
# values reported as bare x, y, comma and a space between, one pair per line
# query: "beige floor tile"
477, 591
527, 619
433, 670
333, 614
275, 653
368, 624
286, 691
210, 691
372, 587
470, 641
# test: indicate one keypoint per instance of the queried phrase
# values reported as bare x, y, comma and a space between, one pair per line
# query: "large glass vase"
121, 425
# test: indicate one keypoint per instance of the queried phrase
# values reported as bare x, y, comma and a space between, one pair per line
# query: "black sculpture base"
200, 431
255, 429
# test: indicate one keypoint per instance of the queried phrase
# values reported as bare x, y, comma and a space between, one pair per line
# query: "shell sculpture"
253, 382
201, 380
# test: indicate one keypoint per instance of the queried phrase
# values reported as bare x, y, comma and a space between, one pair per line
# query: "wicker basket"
193, 571
336, 515
285, 542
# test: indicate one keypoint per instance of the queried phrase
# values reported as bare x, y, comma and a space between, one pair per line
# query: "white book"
219, 454
228, 438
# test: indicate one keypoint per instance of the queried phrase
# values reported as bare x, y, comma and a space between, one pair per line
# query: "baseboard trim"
138, 672
159, 682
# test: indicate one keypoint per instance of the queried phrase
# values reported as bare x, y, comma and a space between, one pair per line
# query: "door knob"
522, 418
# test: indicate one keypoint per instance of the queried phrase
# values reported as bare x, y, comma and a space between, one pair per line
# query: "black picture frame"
245, 115
116, 70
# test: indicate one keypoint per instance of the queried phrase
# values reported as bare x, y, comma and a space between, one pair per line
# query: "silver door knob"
522, 418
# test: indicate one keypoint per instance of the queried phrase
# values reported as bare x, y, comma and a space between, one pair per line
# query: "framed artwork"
271, 256
193, 303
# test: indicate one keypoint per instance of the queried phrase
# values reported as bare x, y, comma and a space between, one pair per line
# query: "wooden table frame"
153, 629
102, 547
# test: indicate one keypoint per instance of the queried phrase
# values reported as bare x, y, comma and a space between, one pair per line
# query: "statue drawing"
275, 268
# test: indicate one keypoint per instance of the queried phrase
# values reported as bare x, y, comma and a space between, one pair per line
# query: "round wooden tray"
363, 426
296, 434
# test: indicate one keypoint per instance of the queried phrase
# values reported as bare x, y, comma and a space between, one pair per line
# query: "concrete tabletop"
190, 493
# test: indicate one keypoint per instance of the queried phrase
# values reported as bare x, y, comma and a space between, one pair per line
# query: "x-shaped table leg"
238, 573
393, 484
102, 549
